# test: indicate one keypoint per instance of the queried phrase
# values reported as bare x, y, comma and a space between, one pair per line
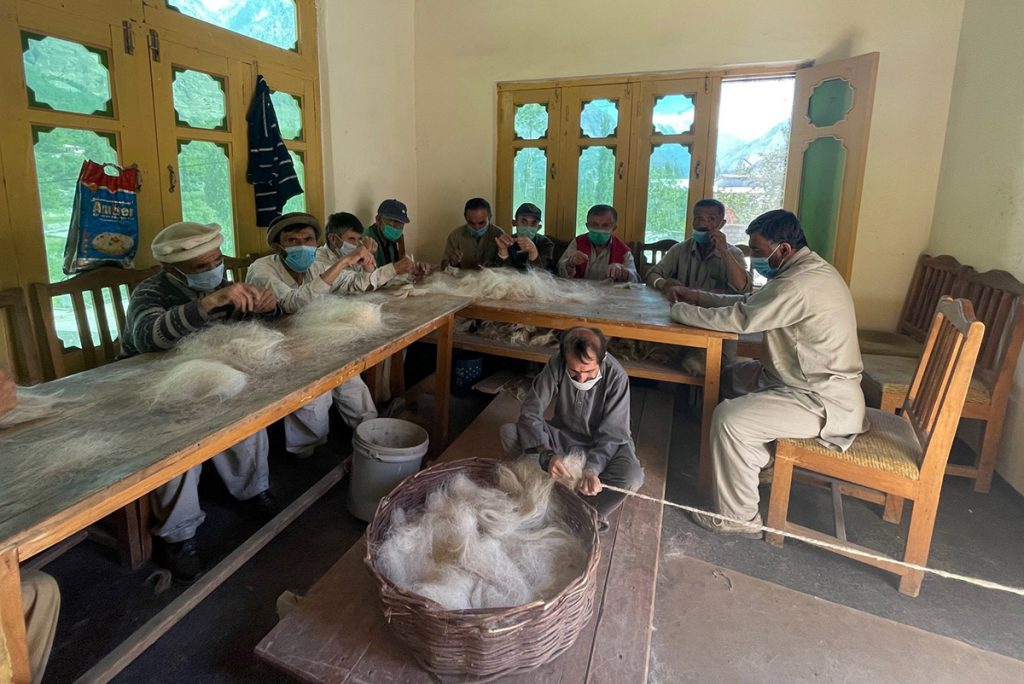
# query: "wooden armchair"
998, 299
97, 282
128, 529
26, 367
647, 254
236, 267
933, 278
901, 455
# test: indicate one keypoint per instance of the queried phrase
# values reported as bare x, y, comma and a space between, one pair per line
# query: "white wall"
367, 99
979, 211
464, 47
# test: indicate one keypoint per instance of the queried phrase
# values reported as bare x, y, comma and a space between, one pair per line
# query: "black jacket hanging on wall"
270, 171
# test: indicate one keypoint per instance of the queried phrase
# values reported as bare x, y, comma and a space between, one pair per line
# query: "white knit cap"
186, 240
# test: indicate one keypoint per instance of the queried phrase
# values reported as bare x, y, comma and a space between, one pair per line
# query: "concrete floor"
104, 603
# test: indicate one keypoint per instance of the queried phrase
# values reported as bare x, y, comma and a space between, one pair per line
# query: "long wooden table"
47, 493
635, 313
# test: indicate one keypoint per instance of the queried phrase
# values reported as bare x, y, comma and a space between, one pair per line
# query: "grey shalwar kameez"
808, 385
596, 420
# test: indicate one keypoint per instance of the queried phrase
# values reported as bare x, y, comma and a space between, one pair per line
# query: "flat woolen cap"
394, 210
292, 220
186, 240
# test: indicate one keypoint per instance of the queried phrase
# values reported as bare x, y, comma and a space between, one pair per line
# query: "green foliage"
268, 21
531, 121
66, 76
765, 183
199, 99
205, 179
596, 184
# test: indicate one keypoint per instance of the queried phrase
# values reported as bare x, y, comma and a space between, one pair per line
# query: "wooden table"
631, 313
39, 511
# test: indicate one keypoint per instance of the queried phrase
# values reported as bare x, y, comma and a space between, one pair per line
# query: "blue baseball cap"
394, 210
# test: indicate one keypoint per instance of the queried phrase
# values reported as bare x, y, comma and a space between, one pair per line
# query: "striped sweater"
163, 309
270, 170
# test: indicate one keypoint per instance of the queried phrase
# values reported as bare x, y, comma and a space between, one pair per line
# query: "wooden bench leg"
989, 456
893, 512
131, 533
778, 504
12, 619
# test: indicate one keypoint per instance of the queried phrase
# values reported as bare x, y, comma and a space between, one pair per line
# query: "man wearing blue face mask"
189, 295
705, 261
598, 254
296, 279
590, 391
475, 243
808, 383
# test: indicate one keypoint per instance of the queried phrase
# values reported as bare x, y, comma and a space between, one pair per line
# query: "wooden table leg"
712, 381
13, 645
442, 384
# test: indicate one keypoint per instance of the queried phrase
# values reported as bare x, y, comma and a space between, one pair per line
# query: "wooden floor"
338, 633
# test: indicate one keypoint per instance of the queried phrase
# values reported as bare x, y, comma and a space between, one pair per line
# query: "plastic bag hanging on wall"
104, 229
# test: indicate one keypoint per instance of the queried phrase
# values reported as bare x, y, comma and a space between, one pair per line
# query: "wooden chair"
25, 366
933, 277
94, 282
903, 455
128, 528
656, 250
236, 267
998, 299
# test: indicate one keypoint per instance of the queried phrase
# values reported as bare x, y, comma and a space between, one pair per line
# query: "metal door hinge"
154, 45
129, 37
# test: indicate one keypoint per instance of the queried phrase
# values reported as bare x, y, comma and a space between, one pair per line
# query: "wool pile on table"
335, 320
508, 284
474, 546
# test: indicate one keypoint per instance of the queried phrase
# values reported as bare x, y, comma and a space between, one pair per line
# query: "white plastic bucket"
385, 452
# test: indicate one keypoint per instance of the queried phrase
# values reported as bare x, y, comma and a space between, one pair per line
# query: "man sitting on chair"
808, 384
345, 235
591, 394
296, 279
705, 261
188, 295
475, 243
597, 254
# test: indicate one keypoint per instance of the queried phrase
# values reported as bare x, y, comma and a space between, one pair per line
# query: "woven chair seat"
894, 374
891, 343
890, 445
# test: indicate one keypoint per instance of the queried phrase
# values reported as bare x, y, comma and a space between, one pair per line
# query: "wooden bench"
337, 633
542, 354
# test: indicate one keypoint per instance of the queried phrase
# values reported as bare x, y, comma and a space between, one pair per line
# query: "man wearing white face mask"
189, 295
345, 235
590, 391
807, 384
295, 277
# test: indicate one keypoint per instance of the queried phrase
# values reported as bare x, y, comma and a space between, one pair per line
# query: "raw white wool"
30, 407
474, 546
251, 346
336, 320
506, 283
196, 381
515, 333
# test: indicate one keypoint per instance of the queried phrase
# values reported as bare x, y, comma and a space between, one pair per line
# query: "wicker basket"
484, 642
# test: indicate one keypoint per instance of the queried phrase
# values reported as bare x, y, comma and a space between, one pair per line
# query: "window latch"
154, 45
171, 179
696, 170
129, 37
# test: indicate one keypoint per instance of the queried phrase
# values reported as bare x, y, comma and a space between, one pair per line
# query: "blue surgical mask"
207, 281
478, 232
300, 257
527, 231
701, 237
761, 265
584, 386
391, 233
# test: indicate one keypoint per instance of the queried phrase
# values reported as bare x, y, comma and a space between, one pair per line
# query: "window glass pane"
753, 144
530, 177
596, 184
830, 102
668, 190
297, 203
204, 172
599, 118
199, 99
821, 190
268, 21
531, 121
59, 153
66, 76
289, 114
673, 114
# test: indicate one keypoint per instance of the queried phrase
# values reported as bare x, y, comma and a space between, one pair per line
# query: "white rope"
976, 581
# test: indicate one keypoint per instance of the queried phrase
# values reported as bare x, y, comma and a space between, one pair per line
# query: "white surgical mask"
346, 248
584, 386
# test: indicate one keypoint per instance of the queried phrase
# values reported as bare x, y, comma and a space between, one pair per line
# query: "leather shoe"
264, 505
182, 559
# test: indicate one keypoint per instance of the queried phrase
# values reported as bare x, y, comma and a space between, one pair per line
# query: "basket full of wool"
484, 567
